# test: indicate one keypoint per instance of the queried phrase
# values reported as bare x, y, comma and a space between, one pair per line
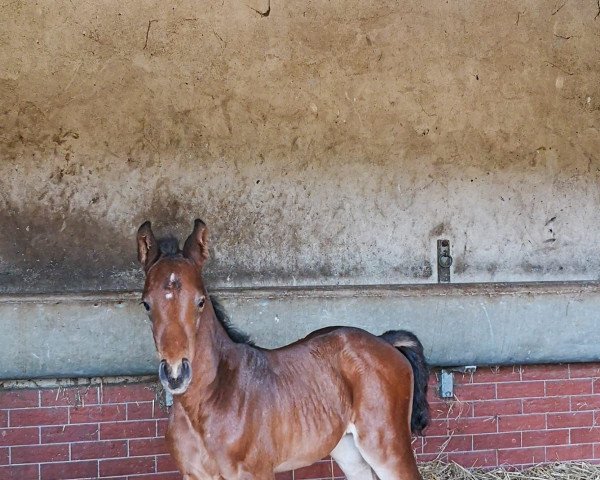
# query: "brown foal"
243, 412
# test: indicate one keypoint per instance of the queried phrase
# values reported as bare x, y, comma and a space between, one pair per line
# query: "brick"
521, 456
455, 443
161, 427
565, 453
437, 427
38, 416
520, 389
337, 471
417, 444
316, 470
165, 463
138, 392
545, 372
472, 425
19, 472
136, 429
19, 436
463, 379
580, 386
440, 410
140, 411
545, 437
102, 449
69, 397
161, 412
19, 399
126, 466
517, 423
484, 458
68, 470
3, 418
585, 435
157, 476
451, 409
488, 441
147, 446
584, 370
497, 375
570, 419
476, 392
596, 385
290, 475
497, 407
98, 413
70, 433
430, 457
585, 402
547, 404
40, 453
4, 456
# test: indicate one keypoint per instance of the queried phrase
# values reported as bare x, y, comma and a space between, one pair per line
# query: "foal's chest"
188, 447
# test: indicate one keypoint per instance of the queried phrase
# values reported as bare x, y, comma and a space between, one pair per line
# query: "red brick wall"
510, 415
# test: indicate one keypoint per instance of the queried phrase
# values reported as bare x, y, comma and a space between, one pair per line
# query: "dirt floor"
559, 471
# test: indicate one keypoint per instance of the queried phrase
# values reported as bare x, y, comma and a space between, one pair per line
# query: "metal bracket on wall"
446, 384
168, 398
446, 388
444, 261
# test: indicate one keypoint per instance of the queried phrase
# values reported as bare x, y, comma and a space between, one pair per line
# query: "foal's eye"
146, 306
201, 302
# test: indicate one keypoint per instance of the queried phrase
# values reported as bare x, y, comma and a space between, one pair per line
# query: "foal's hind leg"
382, 429
350, 460
389, 453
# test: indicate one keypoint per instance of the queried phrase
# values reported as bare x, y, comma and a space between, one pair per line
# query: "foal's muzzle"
175, 379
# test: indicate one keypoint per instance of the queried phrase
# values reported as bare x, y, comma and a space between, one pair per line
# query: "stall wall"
323, 142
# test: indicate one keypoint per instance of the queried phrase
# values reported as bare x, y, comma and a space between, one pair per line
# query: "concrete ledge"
107, 334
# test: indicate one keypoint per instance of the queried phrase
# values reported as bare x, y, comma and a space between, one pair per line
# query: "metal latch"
446, 384
444, 261
447, 379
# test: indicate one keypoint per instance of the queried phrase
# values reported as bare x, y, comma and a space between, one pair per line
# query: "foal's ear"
147, 246
196, 245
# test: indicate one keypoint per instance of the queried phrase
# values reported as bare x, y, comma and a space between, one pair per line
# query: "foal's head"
174, 297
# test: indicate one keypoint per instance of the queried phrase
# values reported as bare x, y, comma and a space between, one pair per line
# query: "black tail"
412, 349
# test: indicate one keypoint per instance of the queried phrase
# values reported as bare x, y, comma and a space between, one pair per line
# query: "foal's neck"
211, 346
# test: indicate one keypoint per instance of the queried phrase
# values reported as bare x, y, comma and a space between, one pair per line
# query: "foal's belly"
300, 461
312, 447
294, 464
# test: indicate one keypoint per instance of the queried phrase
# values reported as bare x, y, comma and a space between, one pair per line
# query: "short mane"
168, 246
234, 333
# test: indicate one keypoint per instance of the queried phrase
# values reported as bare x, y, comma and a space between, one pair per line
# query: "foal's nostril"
186, 369
163, 371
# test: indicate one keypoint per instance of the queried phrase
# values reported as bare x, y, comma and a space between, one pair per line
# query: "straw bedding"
559, 471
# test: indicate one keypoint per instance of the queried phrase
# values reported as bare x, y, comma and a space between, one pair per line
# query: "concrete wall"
330, 142
109, 334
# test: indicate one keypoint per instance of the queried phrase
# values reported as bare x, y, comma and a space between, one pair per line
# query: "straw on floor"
559, 471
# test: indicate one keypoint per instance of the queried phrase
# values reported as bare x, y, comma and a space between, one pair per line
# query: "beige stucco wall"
328, 142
